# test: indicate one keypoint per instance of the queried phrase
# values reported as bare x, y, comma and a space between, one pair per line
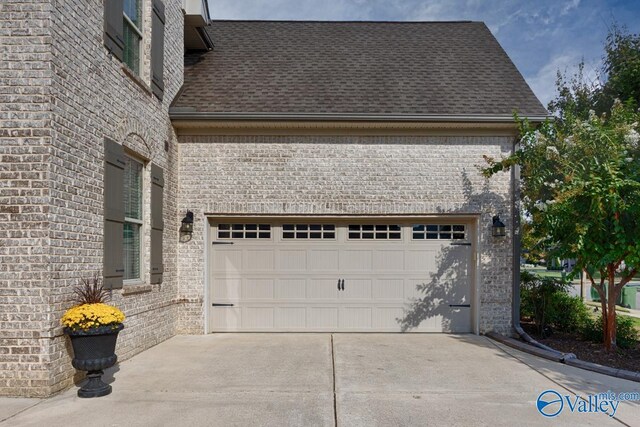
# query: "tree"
577, 95
617, 78
622, 67
531, 250
581, 187
603, 106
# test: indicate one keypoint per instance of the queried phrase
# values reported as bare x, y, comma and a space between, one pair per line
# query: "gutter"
188, 113
205, 38
515, 303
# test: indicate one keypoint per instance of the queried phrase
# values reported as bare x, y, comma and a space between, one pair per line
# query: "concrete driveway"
324, 380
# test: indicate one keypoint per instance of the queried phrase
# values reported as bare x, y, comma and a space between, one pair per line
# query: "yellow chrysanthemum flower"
87, 316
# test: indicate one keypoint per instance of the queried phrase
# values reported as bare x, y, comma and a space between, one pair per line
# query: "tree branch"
628, 278
624, 255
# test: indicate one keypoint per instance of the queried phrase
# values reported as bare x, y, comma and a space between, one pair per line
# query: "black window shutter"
113, 265
157, 223
157, 49
114, 27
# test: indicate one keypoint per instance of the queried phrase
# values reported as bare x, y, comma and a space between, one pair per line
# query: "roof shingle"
395, 68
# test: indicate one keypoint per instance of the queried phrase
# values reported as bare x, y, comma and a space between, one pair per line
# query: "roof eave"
177, 113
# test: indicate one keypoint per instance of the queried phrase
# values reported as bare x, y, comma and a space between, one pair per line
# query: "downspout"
517, 231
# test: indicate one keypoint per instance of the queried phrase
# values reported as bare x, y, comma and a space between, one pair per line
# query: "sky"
540, 36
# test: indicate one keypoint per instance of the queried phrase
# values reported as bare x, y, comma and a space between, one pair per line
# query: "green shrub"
545, 301
626, 333
567, 313
592, 330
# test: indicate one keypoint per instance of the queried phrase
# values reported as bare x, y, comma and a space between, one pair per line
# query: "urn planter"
93, 351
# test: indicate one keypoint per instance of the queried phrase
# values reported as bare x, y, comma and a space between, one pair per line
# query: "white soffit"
196, 13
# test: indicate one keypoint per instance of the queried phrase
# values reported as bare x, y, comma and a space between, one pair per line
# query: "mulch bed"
588, 351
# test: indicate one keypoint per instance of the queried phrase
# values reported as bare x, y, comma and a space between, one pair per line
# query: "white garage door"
353, 276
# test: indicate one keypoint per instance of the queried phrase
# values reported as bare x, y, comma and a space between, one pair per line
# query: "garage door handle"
221, 305
459, 305
341, 285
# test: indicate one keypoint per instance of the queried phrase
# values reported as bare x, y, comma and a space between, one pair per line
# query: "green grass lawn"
543, 272
636, 322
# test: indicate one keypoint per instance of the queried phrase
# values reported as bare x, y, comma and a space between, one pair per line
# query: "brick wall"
352, 175
25, 149
61, 94
54, 119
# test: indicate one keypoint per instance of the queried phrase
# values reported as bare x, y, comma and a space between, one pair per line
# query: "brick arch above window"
136, 137
139, 146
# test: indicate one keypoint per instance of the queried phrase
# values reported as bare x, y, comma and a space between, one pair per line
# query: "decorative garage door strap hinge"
460, 244
222, 243
221, 305
459, 305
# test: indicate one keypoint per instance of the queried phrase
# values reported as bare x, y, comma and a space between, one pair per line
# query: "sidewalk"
575, 291
633, 313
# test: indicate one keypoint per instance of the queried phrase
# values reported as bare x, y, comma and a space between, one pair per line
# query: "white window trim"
133, 25
425, 232
139, 280
138, 31
245, 230
322, 232
387, 231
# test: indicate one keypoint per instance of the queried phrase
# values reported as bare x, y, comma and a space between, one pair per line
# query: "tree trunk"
609, 318
608, 301
603, 297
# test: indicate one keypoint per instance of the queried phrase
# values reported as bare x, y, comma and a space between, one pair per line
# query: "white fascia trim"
180, 114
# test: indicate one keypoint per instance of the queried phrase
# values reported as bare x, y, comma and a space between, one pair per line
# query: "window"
132, 240
439, 231
124, 26
244, 231
308, 231
132, 33
377, 232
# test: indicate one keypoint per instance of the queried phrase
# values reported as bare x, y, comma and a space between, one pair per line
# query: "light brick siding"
25, 138
344, 175
60, 95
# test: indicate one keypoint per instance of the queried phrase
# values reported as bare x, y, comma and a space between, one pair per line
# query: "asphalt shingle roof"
399, 68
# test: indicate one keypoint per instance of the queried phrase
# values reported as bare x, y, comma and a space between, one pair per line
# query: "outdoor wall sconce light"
498, 228
187, 223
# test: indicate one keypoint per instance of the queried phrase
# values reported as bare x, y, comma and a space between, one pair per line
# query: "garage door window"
374, 232
439, 232
244, 231
309, 231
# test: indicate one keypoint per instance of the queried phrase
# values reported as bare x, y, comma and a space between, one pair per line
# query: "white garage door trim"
470, 223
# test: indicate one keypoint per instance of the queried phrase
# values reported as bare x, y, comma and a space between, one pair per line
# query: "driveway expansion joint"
6, 419
294, 380
333, 370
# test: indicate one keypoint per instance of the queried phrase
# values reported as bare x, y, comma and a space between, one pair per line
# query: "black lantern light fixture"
498, 227
187, 223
